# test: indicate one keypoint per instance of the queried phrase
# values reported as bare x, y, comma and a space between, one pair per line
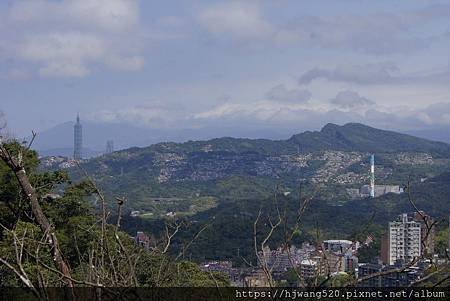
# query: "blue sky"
292, 65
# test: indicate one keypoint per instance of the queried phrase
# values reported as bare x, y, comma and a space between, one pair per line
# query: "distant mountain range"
58, 140
238, 167
68, 152
438, 134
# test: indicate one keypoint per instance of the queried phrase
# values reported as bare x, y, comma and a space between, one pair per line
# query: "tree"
48, 239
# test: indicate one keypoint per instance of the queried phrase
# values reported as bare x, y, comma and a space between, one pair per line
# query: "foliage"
96, 256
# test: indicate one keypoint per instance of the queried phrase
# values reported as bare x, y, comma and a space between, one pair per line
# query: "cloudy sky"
291, 65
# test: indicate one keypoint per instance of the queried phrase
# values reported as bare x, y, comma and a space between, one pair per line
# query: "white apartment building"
404, 240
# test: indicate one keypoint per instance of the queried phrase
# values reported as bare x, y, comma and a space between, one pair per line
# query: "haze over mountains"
58, 140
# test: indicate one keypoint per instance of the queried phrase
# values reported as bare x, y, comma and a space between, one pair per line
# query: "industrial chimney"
372, 175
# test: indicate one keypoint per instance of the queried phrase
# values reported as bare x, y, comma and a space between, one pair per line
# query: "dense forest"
92, 245
230, 224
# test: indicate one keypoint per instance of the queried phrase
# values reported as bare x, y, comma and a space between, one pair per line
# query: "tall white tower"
372, 175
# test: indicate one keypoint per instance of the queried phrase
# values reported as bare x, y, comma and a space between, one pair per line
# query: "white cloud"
71, 38
108, 15
154, 114
62, 54
350, 100
371, 33
381, 73
294, 116
375, 34
281, 93
242, 20
377, 73
63, 69
254, 111
131, 63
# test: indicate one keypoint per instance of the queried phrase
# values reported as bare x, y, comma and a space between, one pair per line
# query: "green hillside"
231, 223
359, 137
229, 168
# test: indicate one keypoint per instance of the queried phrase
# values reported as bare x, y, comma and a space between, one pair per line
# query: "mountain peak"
351, 125
329, 127
360, 137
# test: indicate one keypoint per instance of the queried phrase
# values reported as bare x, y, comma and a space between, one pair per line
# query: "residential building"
144, 240
282, 259
256, 278
389, 276
384, 246
310, 268
404, 240
338, 245
234, 274
350, 263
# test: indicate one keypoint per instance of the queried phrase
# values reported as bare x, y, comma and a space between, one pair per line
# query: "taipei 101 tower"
77, 139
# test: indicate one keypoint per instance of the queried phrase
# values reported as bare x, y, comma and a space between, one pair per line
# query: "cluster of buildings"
405, 254
372, 190
406, 248
332, 257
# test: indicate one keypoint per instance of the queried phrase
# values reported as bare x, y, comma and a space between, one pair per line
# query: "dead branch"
169, 236
33, 136
194, 237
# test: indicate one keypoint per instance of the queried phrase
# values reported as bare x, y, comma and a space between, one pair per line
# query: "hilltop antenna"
372, 176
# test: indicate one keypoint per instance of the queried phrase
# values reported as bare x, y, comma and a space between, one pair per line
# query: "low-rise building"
256, 278
310, 268
281, 259
377, 275
341, 246
380, 190
234, 274
144, 240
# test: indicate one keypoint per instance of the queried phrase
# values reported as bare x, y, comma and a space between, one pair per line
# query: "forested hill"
359, 137
228, 179
250, 168
349, 137
357, 218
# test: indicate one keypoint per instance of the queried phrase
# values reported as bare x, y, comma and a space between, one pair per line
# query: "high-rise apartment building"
404, 239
